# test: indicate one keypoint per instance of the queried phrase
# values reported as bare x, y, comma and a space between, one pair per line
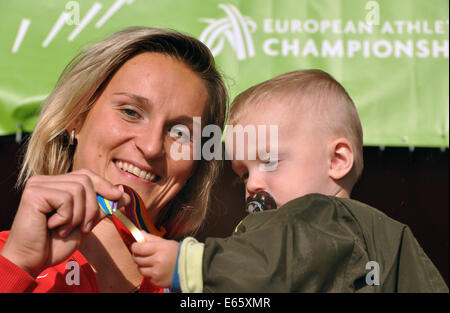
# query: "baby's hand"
156, 258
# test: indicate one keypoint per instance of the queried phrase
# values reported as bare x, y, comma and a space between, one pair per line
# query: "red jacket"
58, 278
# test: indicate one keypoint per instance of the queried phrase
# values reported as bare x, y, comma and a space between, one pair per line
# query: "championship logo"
235, 28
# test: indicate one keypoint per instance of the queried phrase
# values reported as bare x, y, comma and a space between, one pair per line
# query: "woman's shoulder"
3, 238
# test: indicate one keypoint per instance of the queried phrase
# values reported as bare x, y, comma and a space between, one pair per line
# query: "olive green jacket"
315, 243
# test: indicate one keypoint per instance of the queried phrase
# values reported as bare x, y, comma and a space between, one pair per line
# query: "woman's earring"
72, 138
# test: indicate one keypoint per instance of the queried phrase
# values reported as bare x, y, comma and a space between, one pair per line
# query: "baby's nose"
254, 184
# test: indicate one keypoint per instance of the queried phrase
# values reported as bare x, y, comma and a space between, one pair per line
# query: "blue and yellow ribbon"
107, 206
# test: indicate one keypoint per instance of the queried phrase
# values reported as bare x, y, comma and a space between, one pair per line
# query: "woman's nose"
151, 143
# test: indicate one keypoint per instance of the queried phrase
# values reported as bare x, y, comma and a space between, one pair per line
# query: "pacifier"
259, 202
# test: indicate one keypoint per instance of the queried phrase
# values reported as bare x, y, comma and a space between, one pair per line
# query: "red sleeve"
53, 279
14, 279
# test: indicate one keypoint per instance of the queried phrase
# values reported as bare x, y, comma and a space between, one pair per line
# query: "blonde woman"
112, 119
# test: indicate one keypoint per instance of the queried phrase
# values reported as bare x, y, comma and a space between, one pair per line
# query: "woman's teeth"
130, 168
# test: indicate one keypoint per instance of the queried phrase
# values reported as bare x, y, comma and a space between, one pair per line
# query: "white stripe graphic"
43, 276
212, 24
216, 32
239, 42
235, 28
96, 7
113, 9
56, 28
211, 32
248, 38
24, 24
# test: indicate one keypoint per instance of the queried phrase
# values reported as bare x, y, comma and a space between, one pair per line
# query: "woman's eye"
131, 113
181, 133
244, 177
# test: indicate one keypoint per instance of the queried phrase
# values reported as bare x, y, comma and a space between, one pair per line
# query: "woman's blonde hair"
82, 82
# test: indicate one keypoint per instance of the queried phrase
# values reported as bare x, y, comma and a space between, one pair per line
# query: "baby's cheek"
276, 190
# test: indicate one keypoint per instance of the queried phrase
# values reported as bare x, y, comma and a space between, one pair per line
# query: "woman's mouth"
136, 171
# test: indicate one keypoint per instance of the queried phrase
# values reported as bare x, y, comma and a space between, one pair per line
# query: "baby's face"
296, 162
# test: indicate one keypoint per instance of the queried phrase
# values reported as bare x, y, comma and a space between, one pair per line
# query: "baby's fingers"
143, 249
144, 261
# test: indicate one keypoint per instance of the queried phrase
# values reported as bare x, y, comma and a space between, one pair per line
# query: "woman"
112, 119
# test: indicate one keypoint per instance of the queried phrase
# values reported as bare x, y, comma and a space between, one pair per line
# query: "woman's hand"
156, 258
55, 213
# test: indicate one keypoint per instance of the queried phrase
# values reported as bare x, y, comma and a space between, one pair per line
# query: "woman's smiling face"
126, 136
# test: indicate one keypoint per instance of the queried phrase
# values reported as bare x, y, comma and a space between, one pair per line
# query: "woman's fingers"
74, 204
54, 214
57, 204
101, 185
82, 187
88, 179
72, 211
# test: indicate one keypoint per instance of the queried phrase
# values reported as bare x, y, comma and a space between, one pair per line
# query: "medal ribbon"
135, 218
137, 213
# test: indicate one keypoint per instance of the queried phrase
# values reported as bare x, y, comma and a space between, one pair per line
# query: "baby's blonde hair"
317, 94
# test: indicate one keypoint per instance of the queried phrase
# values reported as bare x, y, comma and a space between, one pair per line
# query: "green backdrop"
390, 55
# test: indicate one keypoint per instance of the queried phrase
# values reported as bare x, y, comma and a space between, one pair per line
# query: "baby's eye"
244, 177
268, 165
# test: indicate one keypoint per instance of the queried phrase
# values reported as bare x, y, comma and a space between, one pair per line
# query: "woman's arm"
55, 213
14, 279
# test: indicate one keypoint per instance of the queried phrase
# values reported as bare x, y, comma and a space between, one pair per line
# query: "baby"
305, 233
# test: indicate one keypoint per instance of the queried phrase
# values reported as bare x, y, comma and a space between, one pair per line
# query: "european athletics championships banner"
391, 55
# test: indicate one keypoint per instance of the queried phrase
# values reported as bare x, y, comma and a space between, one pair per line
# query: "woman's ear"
341, 158
75, 126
